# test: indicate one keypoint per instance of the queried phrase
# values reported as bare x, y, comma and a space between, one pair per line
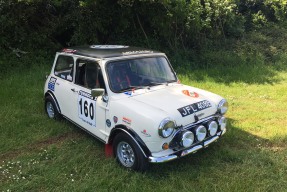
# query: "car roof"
107, 51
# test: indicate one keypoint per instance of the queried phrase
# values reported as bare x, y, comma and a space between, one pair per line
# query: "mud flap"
109, 150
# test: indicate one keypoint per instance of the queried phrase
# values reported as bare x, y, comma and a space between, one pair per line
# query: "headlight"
222, 122
187, 139
166, 128
200, 133
212, 128
222, 106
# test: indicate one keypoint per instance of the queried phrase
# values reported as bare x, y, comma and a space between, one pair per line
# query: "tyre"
51, 109
128, 153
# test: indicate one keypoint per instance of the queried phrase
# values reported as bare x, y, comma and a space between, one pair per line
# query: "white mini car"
131, 99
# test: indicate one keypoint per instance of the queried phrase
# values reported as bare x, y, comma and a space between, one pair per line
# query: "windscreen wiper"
130, 88
133, 87
157, 83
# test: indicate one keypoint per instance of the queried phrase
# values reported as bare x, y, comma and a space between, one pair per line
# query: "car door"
63, 86
91, 111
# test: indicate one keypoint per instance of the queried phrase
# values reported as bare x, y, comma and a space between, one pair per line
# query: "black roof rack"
106, 51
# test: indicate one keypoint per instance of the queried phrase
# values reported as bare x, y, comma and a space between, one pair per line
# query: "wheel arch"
51, 94
131, 133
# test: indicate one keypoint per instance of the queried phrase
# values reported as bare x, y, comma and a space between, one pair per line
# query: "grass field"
39, 154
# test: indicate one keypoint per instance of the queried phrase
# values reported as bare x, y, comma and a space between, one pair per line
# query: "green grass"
38, 154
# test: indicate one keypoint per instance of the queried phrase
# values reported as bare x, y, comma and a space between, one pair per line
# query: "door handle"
74, 90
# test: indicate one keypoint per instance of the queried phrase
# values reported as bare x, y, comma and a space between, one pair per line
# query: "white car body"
135, 112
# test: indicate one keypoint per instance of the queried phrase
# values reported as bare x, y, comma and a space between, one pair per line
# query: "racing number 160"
88, 109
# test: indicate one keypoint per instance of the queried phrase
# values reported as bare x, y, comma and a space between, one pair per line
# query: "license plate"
193, 108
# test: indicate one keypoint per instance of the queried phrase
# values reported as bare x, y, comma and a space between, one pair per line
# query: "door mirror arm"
105, 98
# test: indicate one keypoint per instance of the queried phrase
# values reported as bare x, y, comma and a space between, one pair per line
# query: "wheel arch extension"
51, 94
131, 133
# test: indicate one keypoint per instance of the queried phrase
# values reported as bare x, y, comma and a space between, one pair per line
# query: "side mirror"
97, 92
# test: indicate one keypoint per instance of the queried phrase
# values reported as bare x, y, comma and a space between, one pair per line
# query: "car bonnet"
181, 102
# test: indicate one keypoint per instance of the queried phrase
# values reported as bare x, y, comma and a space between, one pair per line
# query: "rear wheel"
128, 153
51, 109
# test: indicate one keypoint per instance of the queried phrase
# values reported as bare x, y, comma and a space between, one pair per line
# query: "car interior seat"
81, 75
91, 76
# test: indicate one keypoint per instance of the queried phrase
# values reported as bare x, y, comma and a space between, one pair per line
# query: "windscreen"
139, 73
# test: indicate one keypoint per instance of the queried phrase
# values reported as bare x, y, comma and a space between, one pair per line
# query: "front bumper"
187, 151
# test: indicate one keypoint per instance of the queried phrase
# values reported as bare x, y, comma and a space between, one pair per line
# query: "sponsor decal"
108, 46
115, 119
129, 93
145, 133
51, 84
87, 108
137, 52
190, 93
193, 108
127, 120
69, 50
108, 122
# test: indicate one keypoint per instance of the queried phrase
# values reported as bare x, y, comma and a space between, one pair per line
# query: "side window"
89, 74
64, 67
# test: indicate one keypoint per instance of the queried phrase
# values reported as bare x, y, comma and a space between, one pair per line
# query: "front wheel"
51, 109
128, 153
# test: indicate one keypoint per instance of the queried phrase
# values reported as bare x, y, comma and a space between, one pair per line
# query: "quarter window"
64, 67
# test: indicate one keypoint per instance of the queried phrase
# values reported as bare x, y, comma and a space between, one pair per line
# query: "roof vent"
108, 46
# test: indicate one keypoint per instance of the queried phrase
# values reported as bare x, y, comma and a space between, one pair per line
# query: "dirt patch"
58, 140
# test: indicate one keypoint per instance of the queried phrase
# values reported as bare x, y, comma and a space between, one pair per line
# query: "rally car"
131, 99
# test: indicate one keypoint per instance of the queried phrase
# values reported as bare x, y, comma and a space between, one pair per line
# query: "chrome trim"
210, 141
162, 124
222, 132
186, 127
220, 104
200, 121
192, 150
162, 159
185, 152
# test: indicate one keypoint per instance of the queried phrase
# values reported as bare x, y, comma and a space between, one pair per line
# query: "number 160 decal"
87, 108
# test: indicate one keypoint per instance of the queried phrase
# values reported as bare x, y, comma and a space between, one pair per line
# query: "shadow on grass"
237, 148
